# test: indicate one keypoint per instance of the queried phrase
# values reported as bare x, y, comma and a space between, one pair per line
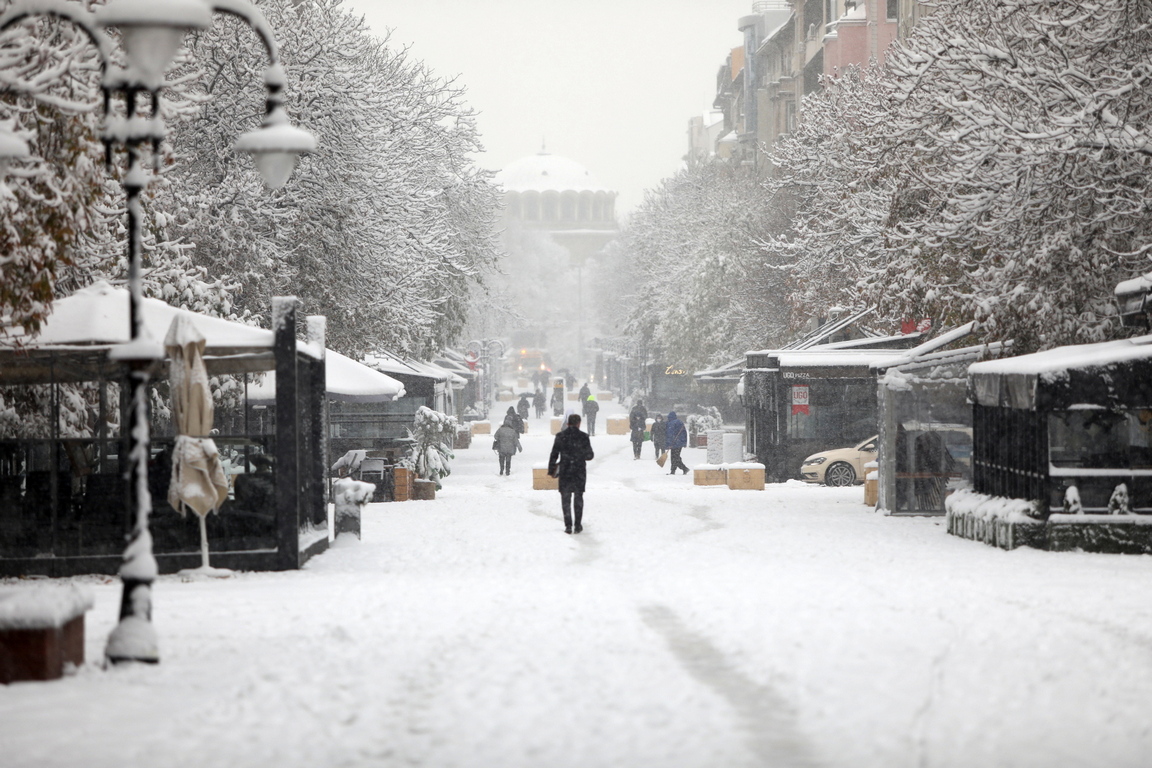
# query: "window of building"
893, 10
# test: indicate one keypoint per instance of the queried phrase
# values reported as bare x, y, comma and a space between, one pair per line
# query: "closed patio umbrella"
198, 480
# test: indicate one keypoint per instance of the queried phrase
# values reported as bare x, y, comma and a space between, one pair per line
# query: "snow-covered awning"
344, 379
1110, 374
74, 341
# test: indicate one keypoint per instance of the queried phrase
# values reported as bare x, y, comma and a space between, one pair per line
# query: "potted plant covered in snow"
698, 425
433, 435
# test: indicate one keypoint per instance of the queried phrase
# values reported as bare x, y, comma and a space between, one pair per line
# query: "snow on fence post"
350, 497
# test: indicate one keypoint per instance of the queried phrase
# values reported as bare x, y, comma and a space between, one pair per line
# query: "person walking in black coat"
513, 418
523, 407
571, 451
677, 441
538, 402
637, 421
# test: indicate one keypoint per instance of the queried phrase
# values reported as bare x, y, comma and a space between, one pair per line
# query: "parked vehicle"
839, 467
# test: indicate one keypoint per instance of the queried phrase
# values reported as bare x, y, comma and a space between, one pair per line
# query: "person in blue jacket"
677, 441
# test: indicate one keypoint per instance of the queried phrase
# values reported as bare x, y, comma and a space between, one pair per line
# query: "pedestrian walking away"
538, 402
677, 441
585, 393
637, 421
517, 422
571, 452
591, 408
522, 408
506, 443
659, 434
558, 401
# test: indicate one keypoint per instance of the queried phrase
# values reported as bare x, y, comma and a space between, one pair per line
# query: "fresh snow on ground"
687, 626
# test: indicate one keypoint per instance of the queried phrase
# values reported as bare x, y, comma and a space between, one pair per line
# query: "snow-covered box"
541, 481
481, 428
618, 425
709, 474
746, 476
41, 631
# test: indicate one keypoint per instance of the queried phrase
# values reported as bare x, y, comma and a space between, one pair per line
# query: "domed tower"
549, 193
556, 217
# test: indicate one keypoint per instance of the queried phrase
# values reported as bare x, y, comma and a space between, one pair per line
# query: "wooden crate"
746, 477
557, 425
506, 397
423, 490
605, 397
463, 439
402, 481
542, 482
573, 395
709, 476
618, 425
481, 428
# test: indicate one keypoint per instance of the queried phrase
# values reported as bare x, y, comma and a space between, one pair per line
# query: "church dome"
547, 173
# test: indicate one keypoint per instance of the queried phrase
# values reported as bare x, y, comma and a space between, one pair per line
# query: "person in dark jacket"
571, 450
516, 422
523, 407
677, 441
585, 393
637, 421
558, 401
538, 402
659, 433
506, 443
591, 408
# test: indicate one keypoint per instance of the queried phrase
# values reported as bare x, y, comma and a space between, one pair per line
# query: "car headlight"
810, 461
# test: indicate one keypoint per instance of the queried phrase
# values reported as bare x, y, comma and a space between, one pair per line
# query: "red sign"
800, 400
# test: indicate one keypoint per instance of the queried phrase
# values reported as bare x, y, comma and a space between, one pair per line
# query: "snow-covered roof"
387, 362
828, 358
547, 173
1110, 374
98, 316
344, 379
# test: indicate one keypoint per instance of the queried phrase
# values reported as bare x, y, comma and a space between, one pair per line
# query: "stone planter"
41, 631
423, 490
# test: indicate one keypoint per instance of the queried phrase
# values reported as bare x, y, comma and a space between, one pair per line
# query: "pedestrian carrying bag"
663, 458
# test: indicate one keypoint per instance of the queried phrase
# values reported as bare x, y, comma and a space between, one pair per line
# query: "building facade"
788, 46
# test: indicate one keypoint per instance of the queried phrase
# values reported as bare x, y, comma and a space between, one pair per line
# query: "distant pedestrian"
571, 451
522, 409
558, 401
517, 422
591, 408
659, 434
677, 441
637, 421
506, 442
538, 402
585, 393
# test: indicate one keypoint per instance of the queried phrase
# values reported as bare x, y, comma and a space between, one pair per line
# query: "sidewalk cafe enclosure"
382, 425
1069, 431
925, 447
63, 497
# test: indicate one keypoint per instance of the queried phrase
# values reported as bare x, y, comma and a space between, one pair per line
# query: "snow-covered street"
687, 626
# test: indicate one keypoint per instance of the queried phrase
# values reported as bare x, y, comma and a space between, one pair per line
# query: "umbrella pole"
203, 541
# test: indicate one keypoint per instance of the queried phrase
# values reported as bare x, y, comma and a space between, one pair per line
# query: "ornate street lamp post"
151, 32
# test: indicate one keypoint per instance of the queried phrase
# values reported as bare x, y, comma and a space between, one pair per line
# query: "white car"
839, 467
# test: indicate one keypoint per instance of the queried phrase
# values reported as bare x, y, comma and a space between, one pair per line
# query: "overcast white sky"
610, 84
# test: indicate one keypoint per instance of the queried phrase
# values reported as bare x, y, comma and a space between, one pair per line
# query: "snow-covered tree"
382, 228
998, 171
692, 274
434, 434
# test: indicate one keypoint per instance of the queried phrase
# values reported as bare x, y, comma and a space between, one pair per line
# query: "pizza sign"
800, 400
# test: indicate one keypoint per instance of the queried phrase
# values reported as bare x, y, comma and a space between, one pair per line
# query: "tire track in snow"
767, 716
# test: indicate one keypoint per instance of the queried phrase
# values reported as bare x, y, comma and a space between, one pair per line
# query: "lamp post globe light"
151, 32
